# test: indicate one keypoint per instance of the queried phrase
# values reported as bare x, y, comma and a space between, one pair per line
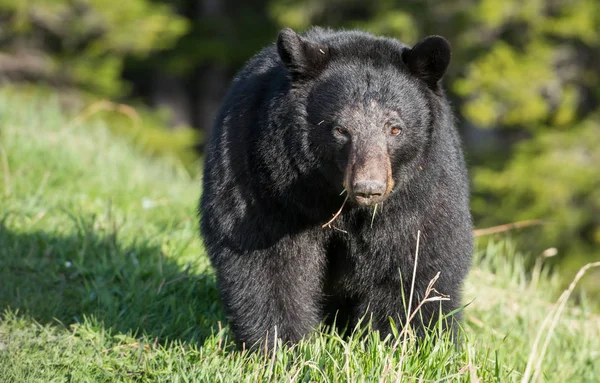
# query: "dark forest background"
524, 81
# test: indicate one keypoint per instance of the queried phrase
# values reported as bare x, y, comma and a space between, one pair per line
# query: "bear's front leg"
385, 302
272, 292
422, 308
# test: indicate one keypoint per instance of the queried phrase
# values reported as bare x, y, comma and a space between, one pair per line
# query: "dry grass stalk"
104, 106
411, 314
534, 362
328, 224
508, 227
273, 355
427, 298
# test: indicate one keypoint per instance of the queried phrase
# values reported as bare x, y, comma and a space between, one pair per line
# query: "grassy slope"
103, 278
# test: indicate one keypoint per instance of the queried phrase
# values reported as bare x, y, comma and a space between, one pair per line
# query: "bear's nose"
368, 189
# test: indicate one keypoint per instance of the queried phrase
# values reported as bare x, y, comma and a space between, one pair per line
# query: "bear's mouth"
370, 192
368, 200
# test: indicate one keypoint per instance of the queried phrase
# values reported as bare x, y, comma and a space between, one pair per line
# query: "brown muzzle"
368, 177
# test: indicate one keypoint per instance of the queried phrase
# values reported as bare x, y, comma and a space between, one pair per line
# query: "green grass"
103, 278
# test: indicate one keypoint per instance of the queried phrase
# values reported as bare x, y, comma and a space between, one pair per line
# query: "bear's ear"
303, 59
429, 59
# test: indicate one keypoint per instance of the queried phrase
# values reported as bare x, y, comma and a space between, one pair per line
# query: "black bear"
318, 122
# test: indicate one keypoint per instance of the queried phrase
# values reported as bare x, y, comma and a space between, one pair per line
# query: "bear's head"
370, 104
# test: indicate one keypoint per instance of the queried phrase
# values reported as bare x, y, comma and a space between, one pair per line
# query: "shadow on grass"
91, 274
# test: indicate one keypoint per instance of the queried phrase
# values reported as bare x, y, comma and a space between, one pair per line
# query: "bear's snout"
368, 177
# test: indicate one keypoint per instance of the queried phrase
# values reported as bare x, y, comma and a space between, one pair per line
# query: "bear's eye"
341, 130
395, 130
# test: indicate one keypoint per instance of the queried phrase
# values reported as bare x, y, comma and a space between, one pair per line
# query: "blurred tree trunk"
169, 91
224, 34
193, 98
210, 80
211, 83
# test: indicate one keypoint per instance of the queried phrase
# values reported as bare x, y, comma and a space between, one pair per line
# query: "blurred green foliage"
85, 42
538, 85
524, 80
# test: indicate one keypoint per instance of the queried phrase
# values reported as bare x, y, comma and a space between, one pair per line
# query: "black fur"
304, 120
